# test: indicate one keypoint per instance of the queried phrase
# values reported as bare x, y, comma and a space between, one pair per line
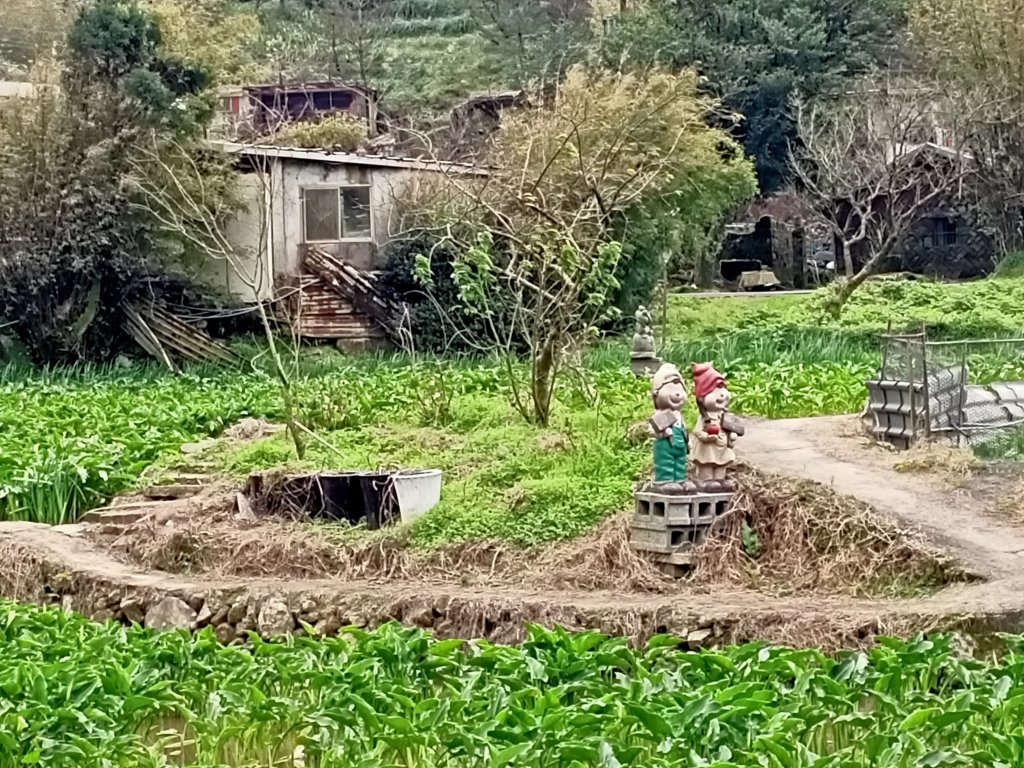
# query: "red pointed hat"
706, 379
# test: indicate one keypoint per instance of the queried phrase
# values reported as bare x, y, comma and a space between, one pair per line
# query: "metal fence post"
963, 394
924, 376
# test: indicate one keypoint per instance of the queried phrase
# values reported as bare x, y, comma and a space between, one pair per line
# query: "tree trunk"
664, 297
851, 284
542, 380
703, 266
335, 58
847, 260
287, 395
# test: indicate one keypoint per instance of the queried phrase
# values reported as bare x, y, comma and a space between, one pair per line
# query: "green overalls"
670, 456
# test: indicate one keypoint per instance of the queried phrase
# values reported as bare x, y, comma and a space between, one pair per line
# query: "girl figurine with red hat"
715, 433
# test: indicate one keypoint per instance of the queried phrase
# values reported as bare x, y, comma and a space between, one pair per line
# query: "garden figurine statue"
643, 360
715, 432
670, 439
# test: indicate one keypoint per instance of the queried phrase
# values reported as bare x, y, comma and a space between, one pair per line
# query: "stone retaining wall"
44, 566
164, 601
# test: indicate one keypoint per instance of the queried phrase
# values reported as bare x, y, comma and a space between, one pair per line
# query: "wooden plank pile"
359, 288
320, 312
169, 339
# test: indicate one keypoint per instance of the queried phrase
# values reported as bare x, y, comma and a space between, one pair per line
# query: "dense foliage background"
74, 240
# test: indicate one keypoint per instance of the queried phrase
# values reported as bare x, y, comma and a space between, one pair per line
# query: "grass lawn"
504, 479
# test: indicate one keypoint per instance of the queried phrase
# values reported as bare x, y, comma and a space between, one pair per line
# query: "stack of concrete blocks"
667, 528
905, 412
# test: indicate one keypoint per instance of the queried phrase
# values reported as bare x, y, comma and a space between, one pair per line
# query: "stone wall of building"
771, 243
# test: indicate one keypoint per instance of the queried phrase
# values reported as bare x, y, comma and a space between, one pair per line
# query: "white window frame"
339, 189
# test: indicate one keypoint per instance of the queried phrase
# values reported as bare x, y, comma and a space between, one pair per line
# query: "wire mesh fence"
971, 391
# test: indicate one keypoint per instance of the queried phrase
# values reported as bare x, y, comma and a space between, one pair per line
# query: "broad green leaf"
507, 755
654, 722
918, 718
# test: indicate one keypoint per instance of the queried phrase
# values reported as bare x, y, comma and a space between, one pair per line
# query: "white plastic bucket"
418, 490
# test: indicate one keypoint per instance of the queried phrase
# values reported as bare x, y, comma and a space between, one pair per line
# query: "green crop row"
78, 694
69, 439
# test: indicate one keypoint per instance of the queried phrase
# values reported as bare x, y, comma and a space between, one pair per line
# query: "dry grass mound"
602, 560
210, 538
781, 537
205, 535
786, 536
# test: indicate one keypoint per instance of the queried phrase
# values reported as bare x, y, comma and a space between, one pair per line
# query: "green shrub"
1011, 266
639, 270
340, 131
437, 316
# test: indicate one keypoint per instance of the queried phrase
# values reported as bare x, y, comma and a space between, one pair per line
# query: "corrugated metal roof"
320, 85
347, 158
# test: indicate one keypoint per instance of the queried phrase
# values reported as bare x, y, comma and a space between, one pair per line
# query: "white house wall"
250, 233
292, 176
249, 275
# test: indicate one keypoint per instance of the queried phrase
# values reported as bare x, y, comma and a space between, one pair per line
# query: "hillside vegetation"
424, 56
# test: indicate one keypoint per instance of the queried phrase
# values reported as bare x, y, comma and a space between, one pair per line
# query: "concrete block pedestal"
667, 528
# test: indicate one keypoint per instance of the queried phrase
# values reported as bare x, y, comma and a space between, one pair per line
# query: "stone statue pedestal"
643, 366
667, 528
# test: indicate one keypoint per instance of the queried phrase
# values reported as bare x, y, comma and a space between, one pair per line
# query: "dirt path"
826, 451
56, 564
44, 564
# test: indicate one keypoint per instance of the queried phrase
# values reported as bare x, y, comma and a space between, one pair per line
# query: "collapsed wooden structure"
170, 339
332, 301
337, 301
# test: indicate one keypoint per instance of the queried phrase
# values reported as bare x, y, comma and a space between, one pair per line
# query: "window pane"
321, 214
356, 207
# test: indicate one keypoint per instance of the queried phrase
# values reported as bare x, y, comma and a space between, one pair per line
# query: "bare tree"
536, 39
873, 163
184, 199
534, 237
357, 32
977, 48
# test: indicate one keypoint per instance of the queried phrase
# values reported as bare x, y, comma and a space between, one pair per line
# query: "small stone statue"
643, 337
670, 439
715, 433
643, 360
